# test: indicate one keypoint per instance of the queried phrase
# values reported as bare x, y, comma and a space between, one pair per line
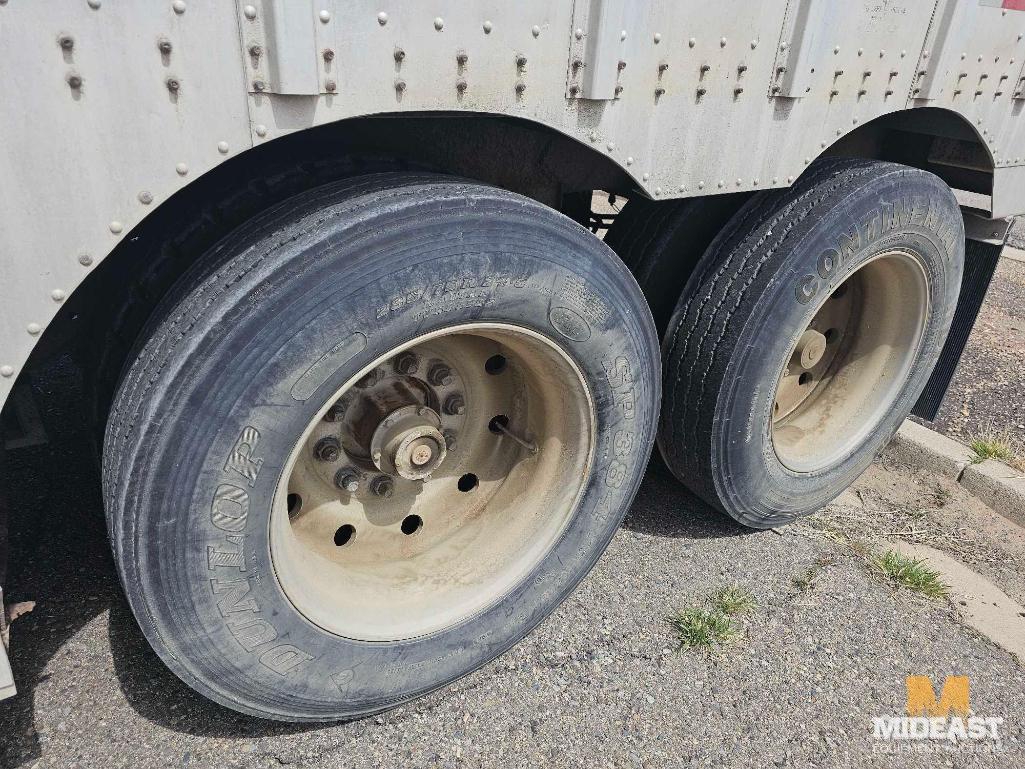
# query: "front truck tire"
373, 439
806, 334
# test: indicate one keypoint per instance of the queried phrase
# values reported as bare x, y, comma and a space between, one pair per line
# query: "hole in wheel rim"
344, 535
467, 482
411, 524
495, 364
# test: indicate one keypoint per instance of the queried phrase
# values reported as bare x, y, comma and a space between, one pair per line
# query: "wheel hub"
408, 442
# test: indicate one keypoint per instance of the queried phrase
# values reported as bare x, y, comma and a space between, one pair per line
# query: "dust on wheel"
374, 438
806, 334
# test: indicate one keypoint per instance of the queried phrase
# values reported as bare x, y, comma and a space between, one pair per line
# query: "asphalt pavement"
599, 684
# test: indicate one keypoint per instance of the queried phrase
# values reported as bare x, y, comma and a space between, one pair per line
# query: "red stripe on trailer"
1014, 5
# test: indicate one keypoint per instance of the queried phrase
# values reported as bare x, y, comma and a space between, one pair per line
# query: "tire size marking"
231, 585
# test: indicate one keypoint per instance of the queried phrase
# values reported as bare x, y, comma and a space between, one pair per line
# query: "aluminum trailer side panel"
111, 108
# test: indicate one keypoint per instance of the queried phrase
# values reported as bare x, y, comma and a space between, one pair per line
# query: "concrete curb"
993, 483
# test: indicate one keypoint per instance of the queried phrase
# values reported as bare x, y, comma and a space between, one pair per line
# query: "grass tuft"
911, 573
992, 447
698, 627
732, 600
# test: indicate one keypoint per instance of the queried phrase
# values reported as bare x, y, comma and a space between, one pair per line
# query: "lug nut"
328, 449
347, 480
454, 404
440, 375
407, 363
382, 486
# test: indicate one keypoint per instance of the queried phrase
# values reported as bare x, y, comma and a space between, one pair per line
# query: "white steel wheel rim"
439, 550
850, 364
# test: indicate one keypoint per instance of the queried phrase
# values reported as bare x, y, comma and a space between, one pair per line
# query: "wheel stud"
454, 404
440, 375
328, 449
347, 480
407, 363
382, 486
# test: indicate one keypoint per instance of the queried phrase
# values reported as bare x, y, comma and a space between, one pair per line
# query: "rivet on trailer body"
400, 85
164, 46
324, 16
260, 129
85, 260
535, 31
58, 295
487, 27
521, 60
521, 87
722, 42
738, 90
382, 18
116, 227
439, 23
692, 42
701, 92
75, 81
754, 44
721, 184
661, 67
94, 4
330, 86
574, 90
618, 90
399, 54
461, 86
34, 329
6, 371
622, 34
630, 160
182, 169
610, 146
178, 6
145, 197
657, 38
658, 191
704, 68
328, 54
250, 12
66, 42
259, 85
578, 33
701, 185
462, 58
173, 85
660, 91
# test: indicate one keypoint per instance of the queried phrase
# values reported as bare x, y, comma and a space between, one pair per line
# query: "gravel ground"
599, 684
985, 397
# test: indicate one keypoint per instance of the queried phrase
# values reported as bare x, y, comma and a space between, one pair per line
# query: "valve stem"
500, 427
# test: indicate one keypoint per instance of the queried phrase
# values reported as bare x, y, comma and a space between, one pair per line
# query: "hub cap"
849, 366
433, 482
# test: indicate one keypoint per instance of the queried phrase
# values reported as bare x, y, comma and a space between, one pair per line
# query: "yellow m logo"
922, 697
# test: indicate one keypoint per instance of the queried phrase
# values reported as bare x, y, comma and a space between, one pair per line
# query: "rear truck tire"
662, 241
373, 439
805, 336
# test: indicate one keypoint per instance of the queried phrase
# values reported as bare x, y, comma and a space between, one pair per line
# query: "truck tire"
373, 439
805, 336
662, 241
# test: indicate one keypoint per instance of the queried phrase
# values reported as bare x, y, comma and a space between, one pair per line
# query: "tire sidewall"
486, 257
911, 212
